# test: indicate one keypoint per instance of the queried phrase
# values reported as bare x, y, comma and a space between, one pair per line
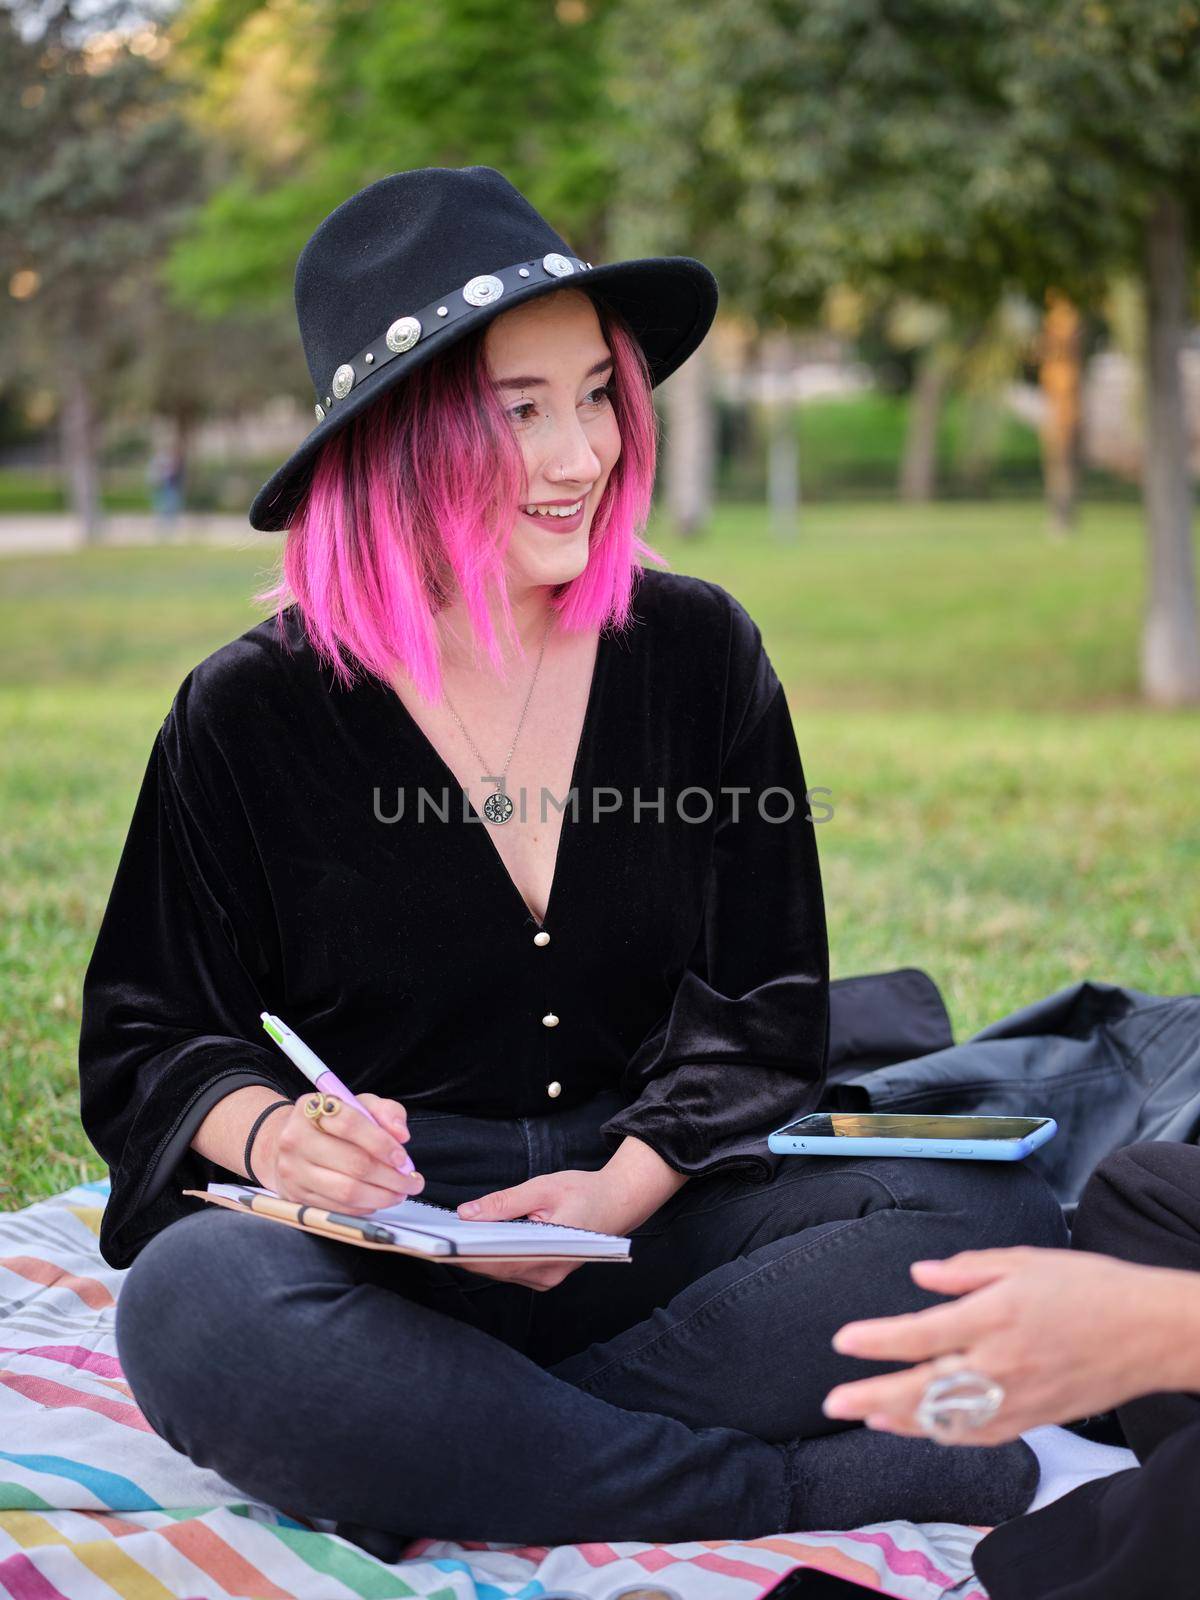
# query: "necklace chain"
498, 808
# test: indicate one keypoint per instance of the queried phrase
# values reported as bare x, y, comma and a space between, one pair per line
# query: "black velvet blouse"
268, 867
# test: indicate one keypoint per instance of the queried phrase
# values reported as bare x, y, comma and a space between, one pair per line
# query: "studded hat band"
403, 334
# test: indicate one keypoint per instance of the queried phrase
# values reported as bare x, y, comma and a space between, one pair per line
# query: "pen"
332, 1221
315, 1070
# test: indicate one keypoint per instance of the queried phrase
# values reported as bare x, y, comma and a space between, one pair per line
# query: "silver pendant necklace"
498, 808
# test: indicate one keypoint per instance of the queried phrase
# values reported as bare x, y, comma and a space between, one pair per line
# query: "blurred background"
941, 442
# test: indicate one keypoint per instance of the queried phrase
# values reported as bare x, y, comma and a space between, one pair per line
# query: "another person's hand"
1066, 1334
346, 1164
573, 1199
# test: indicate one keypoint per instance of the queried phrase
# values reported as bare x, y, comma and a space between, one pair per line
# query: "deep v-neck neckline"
582, 751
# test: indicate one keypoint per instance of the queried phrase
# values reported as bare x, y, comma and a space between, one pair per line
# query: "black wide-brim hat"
410, 264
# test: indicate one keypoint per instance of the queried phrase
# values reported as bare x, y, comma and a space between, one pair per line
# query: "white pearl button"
541, 939
549, 1020
554, 1090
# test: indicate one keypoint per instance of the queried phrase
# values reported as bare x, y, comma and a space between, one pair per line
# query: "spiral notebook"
414, 1227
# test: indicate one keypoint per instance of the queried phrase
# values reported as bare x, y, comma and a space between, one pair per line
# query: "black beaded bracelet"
258, 1122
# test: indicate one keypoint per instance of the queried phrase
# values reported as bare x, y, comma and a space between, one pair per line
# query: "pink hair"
414, 499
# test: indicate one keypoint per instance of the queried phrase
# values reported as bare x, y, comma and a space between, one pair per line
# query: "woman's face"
553, 367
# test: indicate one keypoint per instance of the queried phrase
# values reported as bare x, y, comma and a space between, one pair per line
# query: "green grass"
1007, 816
34, 489
950, 607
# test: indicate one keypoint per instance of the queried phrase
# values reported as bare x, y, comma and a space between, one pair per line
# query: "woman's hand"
346, 1164
1067, 1335
571, 1198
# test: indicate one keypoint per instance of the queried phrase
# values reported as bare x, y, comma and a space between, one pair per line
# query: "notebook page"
549, 1238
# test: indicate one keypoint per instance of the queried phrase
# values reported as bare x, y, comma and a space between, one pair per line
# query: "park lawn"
1006, 815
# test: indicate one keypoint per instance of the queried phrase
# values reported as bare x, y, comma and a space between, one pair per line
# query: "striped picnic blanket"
94, 1504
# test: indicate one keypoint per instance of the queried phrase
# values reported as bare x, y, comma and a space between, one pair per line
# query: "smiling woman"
595, 1019
418, 508
562, 327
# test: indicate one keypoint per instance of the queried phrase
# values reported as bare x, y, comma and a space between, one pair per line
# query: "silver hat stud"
403, 334
320, 410
343, 380
483, 290
557, 266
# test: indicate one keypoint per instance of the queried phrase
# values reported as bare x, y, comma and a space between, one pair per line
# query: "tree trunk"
1059, 376
690, 453
1170, 662
783, 445
918, 467
77, 436
983, 426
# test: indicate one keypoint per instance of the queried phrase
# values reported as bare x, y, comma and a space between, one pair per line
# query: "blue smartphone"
844, 1133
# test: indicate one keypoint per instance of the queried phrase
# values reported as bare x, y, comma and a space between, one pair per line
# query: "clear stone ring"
954, 1405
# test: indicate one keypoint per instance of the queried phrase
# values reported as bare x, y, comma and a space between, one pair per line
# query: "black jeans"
1134, 1535
657, 1401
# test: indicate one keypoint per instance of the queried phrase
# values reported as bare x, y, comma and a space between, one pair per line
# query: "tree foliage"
360, 91
947, 148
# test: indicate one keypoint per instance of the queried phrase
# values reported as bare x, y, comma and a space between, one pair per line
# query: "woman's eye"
597, 397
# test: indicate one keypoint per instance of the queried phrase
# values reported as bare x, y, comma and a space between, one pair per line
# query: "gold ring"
321, 1105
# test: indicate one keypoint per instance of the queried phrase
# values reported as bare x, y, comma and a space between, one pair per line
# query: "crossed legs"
675, 1398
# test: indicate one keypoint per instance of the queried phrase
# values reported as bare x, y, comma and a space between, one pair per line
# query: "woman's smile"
559, 516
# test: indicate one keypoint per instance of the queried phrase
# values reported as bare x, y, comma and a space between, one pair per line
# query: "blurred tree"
319, 101
101, 170
927, 331
690, 425
94, 162
1060, 373
954, 150
992, 355
778, 363
920, 347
